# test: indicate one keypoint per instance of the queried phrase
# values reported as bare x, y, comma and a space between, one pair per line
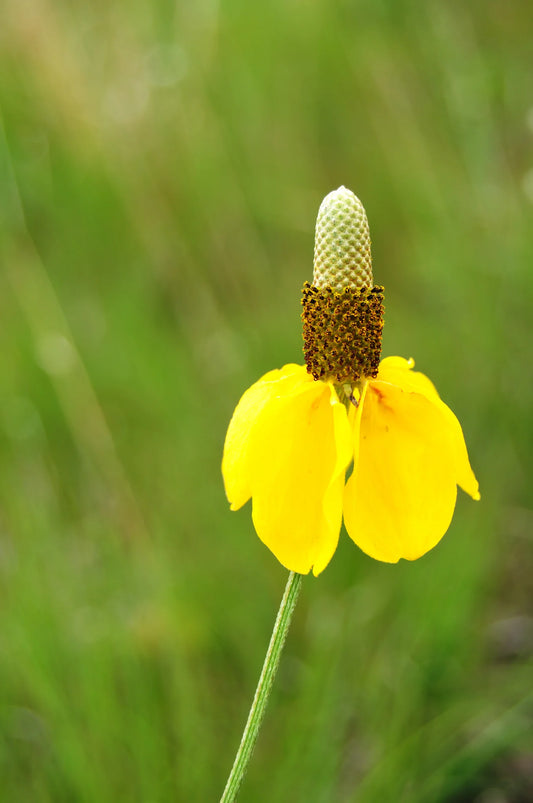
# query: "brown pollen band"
342, 332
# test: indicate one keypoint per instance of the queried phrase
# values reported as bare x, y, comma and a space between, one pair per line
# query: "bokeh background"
161, 167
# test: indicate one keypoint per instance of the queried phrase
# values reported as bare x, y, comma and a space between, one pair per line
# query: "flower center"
342, 332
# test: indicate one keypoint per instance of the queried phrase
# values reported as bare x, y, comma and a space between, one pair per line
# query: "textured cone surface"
342, 243
342, 332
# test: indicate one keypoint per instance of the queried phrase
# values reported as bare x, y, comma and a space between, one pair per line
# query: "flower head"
296, 432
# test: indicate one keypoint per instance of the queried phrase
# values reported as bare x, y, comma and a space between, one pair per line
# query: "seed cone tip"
342, 243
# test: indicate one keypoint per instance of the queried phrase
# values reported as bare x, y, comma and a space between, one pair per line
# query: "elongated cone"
342, 243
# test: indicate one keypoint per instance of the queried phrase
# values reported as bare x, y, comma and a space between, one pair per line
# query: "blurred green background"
161, 167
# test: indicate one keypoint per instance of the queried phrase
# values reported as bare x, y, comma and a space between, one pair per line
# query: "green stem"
264, 686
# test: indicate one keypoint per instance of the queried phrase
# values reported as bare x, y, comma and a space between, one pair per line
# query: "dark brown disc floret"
342, 332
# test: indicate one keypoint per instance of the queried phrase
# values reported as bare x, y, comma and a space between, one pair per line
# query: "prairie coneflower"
296, 432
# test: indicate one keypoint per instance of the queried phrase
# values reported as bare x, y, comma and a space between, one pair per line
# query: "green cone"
342, 243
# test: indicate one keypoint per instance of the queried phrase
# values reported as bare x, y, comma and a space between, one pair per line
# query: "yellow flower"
295, 433
291, 440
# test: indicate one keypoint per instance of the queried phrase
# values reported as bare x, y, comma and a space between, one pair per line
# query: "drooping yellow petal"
333, 496
399, 501
397, 371
235, 465
298, 455
354, 417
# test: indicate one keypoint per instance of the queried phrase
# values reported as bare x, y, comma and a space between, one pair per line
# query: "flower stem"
264, 686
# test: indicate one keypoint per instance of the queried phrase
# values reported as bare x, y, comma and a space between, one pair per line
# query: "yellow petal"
333, 496
298, 455
397, 371
399, 501
235, 466
354, 417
